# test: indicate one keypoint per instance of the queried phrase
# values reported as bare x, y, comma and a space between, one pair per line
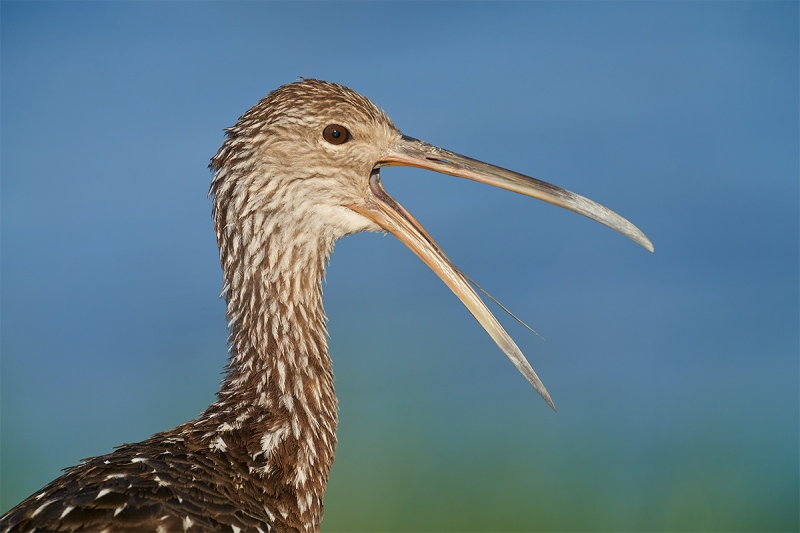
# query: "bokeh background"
675, 373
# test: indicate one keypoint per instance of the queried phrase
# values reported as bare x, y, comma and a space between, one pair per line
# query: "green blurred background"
675, 373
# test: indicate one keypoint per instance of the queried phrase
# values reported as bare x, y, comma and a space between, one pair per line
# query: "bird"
297, 172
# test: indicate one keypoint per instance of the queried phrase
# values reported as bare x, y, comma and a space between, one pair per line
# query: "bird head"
312, 151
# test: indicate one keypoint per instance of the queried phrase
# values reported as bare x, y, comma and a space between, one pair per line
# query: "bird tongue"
393, 217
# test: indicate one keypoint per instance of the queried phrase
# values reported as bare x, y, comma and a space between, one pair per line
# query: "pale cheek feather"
344, 221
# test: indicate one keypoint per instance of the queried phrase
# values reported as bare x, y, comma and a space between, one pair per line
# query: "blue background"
675, 373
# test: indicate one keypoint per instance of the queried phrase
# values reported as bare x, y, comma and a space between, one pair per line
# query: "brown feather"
258, 458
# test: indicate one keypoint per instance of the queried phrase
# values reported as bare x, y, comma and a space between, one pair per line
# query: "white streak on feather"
218, 445
42, 507
271, 440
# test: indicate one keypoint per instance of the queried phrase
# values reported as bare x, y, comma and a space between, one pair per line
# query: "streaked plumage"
284, 190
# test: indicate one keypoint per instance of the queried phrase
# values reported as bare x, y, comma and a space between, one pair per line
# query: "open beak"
392, 217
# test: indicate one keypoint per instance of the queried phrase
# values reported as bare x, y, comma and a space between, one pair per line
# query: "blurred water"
675, 373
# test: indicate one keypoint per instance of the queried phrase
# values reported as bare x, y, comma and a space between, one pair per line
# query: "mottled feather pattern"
258, 458
156, 485
297, 171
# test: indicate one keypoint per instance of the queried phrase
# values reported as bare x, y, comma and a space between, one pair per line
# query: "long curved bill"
392, 217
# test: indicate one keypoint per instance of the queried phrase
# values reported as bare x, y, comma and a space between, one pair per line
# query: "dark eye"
336, 134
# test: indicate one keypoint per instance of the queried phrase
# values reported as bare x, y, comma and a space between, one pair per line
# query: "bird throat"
276, 411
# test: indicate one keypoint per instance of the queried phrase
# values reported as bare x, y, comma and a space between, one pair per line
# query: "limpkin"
297, 172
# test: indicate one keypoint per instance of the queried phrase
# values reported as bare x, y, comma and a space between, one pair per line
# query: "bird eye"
336, 134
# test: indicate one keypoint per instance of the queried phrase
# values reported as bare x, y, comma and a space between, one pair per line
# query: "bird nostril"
437, 160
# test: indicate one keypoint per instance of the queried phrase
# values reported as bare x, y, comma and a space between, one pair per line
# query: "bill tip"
546, 396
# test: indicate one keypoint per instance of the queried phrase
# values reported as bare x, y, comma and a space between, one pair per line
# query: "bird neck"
276, 411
